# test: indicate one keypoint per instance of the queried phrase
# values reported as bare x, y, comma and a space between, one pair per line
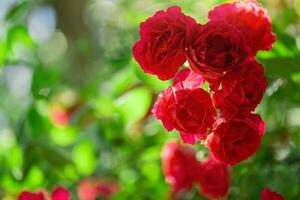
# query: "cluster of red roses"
182, 170
88, 189
221, 52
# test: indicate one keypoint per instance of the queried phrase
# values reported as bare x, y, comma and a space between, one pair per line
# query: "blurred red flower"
268, 194
213, 178
90, 189
59, 193
179, 166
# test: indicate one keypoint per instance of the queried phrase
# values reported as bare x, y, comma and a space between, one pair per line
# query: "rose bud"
237, 139
268, 194
242, 90
163, 37
214, 178
216, 49
186, 107
250, 18
179, 166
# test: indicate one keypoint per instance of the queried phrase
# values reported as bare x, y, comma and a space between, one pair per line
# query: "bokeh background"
74, 103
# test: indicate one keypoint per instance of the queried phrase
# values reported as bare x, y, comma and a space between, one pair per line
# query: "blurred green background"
74, 103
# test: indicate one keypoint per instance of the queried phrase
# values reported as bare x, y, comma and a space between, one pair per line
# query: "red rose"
179, 166
268, 194
217, 48
186, 107
242, 90
161, 48
214, 178
237, 139
251, 19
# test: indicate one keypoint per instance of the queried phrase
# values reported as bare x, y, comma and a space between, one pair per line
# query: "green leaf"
84, 158
17, 10
281, 67
15, 159
151, 170
19, 35
3, 50
296, 77
134, 104
122, 80
43, 79
150, 80
35, 178
56, 157
36, 122
63, 136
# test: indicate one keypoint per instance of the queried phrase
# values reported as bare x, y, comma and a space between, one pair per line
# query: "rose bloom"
216, 49
242, 90
186, 107
213, 178
237, 139
179, 166
250, 18
90, 189
59, 193
268, 194
163, 38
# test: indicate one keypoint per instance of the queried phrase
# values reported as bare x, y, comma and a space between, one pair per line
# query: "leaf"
84, 158
43, 80
63, 136
150, 80
3, 50
38, 151
281, 67
36, 123
134, 104
16, 10
53, 155
19, 34
122, 80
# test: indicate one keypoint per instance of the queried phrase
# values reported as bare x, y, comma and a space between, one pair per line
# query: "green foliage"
75, 104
